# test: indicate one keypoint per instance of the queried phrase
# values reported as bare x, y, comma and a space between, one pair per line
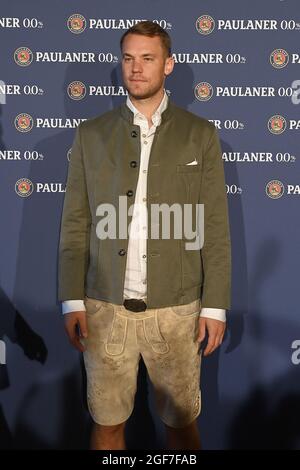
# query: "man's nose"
136, 66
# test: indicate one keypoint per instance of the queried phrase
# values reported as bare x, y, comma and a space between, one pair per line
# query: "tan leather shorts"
166, 338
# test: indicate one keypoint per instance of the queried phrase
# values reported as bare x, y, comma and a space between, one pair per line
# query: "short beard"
144, 96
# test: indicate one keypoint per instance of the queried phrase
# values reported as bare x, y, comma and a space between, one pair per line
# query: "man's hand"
76, 328
215, 330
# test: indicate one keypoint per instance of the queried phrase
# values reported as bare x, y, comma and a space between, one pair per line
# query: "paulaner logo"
279, 58
24, 187
203, 91
205, 24
2, 353
275, 189
76, 23
23, 56
24, 122
77, 90
277, 124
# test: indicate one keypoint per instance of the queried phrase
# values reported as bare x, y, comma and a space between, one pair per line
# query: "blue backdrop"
237, 64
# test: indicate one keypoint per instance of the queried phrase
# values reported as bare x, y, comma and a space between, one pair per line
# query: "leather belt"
135, 305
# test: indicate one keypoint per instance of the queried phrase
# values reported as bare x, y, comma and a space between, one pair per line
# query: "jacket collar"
128, 115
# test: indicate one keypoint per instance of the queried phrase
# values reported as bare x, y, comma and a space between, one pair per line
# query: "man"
130, 296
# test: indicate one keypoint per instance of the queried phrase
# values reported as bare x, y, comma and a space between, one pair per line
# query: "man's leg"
111, 361
183, 438
108, 437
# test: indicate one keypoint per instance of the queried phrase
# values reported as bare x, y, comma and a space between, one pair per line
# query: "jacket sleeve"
75, 228
216, 250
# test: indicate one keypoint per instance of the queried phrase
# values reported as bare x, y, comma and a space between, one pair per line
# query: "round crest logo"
274, 189
77, 90
277, 124
205, 24
76, 23
203, 91
24, 187
23, 122
279, 58
23, 56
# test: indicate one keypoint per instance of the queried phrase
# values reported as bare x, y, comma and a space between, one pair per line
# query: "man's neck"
148, 106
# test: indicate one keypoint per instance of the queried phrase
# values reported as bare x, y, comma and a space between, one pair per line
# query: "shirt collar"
156, 116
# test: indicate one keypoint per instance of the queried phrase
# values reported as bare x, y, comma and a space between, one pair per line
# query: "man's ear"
169, 65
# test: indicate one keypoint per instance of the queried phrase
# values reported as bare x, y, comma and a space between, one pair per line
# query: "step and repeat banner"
237, 64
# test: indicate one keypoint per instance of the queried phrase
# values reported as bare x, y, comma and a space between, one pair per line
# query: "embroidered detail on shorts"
153, 335
117, 336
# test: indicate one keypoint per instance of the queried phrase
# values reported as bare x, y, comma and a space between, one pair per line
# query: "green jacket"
104, 165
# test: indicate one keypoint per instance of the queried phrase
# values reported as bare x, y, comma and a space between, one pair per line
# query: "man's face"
144, 65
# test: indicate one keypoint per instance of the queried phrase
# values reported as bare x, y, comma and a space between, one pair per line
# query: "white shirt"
135, 283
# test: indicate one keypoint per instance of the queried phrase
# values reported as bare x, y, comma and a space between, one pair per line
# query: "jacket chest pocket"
189, 179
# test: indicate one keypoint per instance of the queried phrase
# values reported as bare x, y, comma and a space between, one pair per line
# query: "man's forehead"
141, 52
138, 42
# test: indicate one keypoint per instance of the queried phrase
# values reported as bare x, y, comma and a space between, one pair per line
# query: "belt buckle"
135, 305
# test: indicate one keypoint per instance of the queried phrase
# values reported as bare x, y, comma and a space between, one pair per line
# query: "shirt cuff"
69, 306
214, 313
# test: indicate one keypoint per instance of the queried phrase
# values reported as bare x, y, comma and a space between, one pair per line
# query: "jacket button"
133, 164
122, 252
129, 193
134, 134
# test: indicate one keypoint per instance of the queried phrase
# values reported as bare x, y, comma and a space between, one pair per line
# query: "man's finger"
83, 326
221, 339
76, 342
202, 330
214, 345
210, 345
74, 338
